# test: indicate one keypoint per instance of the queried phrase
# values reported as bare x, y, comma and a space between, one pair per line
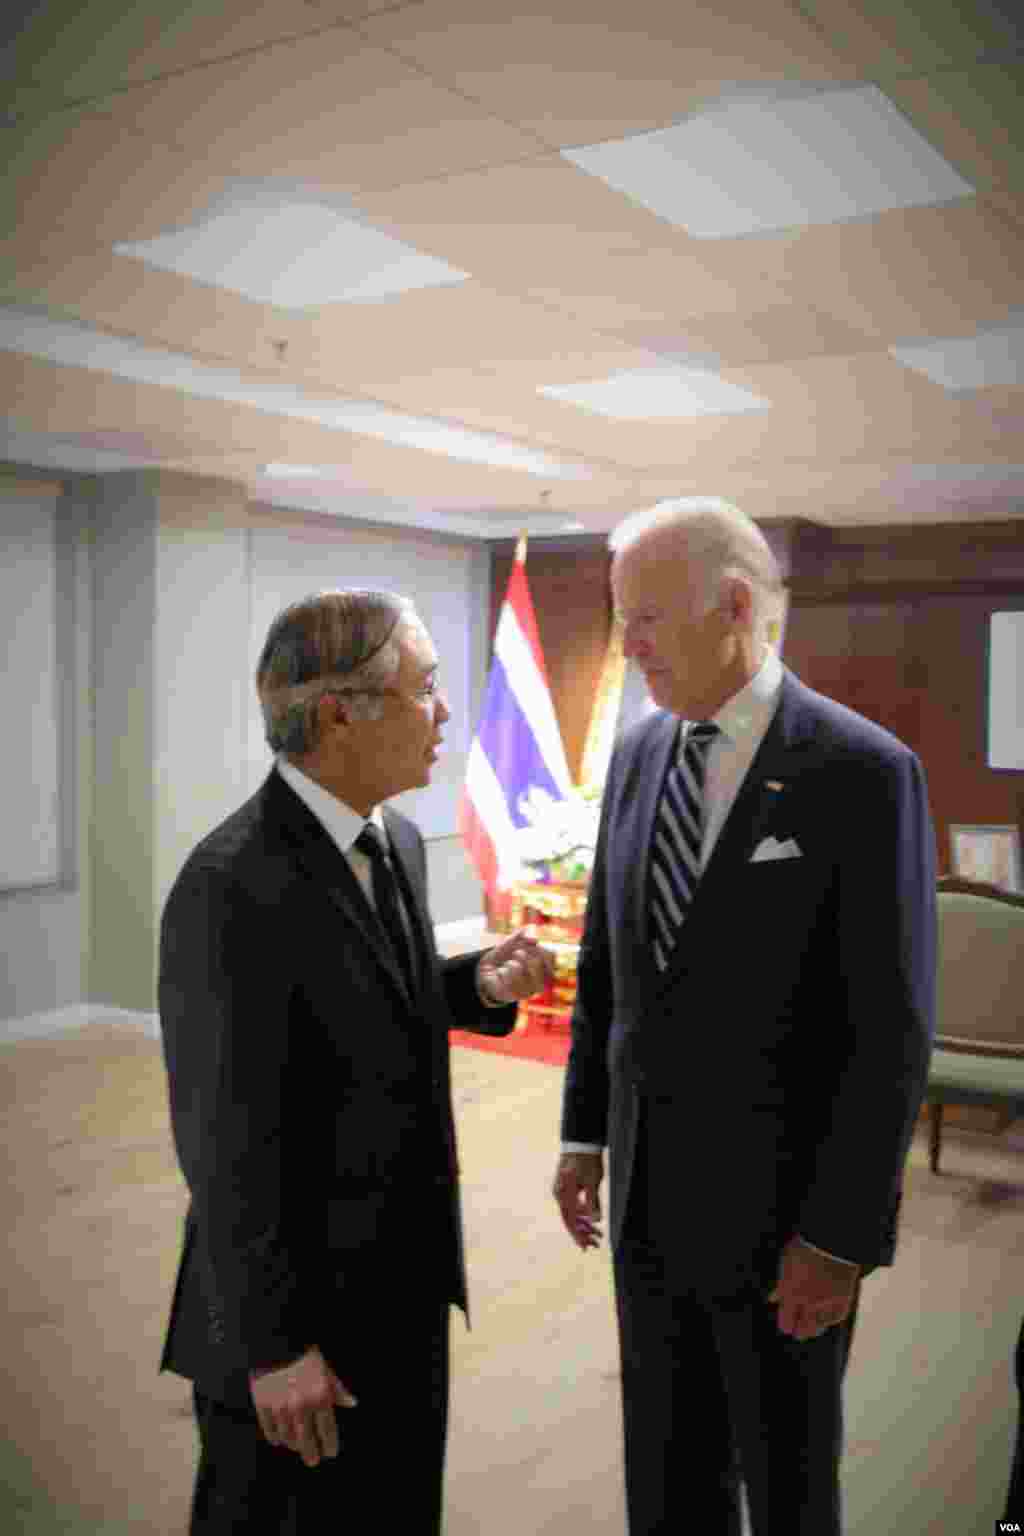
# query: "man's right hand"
576, 1188
295, 1405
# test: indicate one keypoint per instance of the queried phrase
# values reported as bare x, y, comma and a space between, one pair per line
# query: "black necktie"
386, 899
678, 834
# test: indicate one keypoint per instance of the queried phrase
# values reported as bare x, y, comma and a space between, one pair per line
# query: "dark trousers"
388, 1474
714, 1395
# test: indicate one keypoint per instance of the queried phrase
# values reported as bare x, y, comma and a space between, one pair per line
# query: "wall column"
170, 667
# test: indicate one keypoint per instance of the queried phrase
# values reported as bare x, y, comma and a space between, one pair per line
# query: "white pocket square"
771, 848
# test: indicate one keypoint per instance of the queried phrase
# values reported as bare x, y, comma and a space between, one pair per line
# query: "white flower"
558, 829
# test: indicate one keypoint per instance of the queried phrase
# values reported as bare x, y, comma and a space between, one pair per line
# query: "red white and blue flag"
517, 747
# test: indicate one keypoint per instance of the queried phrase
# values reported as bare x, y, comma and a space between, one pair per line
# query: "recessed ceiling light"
458, 443
304, 471
658, 394
293, 246
745, 166
989, 358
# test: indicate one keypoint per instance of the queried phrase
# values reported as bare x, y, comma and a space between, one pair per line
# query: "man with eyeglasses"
305, 1013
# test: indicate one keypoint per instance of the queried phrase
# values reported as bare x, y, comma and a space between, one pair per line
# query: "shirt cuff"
582, 1146
256, 1371
850, 1263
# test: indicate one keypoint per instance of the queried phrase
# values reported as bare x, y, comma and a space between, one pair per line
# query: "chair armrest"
1006, 1050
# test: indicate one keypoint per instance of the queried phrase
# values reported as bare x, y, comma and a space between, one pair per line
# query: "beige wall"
170, 609
158, 609
200, 666
120, 969
42, 930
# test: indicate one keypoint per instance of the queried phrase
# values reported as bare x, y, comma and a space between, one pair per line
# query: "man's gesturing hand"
576, 1188
295, 1405
515, 968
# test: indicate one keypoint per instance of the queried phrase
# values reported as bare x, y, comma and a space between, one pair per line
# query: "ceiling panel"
66, 52
328, 108
360, 348
883, 39
83, 178
439, 122
974, 117
468, 326
584, 70
548, 229
779, 333
923, 271
40, 396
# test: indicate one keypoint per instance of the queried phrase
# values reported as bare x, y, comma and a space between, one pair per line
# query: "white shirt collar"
749, 711
341, 823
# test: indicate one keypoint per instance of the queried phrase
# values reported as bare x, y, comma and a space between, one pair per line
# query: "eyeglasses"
430, 690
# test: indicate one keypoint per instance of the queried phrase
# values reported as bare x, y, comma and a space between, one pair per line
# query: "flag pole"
604, 716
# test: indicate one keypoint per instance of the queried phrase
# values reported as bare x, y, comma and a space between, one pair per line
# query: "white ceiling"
764, 249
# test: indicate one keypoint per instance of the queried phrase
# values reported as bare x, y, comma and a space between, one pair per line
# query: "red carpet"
532, 1044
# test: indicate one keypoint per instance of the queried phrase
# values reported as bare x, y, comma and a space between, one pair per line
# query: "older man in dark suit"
750, 1040
305, 1015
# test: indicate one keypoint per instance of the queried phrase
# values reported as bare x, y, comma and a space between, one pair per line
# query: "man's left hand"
814, 1292
516, 968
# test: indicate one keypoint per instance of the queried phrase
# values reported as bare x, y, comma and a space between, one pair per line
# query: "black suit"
310, 1103
765, 1085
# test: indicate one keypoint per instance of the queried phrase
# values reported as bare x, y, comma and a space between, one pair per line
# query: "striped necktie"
678, 833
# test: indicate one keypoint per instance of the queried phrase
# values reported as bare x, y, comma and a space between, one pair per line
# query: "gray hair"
721, 542
328, 642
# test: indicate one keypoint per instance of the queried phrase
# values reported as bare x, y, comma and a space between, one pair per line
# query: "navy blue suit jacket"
784, 1051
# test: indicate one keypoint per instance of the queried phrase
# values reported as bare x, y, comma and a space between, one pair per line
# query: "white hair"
719, 542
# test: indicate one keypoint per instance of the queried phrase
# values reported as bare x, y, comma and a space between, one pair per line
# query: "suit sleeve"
465, 1007
224, 1014
886, 939
456, 976
585, 1095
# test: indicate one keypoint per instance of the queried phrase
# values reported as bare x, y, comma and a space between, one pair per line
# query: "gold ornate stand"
555, 911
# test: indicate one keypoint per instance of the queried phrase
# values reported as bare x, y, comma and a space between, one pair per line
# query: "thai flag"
517, 746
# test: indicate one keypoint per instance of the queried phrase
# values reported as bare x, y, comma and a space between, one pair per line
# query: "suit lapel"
321, 859
759, 809
405, 861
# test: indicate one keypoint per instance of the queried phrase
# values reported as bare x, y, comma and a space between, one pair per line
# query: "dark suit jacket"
783, 1053
310, 1096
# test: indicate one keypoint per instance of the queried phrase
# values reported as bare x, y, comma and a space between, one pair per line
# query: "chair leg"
934, 1134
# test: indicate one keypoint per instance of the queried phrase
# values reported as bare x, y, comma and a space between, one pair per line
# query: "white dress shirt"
742, 722
342, 824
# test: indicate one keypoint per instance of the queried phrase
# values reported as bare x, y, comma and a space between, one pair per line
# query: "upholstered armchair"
979, 1045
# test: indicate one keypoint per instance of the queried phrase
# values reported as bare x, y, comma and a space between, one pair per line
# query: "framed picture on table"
989, 855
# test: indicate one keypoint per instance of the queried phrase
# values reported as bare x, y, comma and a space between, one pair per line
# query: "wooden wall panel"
572, 602
915, 658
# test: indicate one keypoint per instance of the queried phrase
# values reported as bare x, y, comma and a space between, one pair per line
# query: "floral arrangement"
559, 841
